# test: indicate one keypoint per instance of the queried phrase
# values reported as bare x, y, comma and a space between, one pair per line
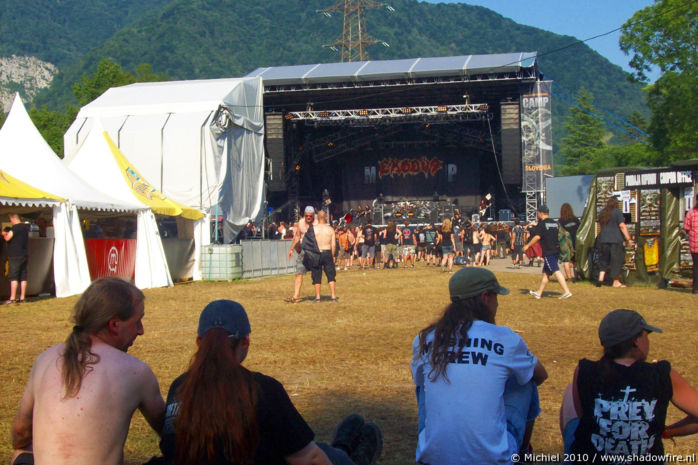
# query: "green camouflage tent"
654, 201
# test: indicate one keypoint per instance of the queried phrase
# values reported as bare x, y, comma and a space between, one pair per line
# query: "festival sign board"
536, 137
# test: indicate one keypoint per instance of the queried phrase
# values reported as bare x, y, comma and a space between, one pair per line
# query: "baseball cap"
621, 325
472, 281
543, 209
309, 209
227, 315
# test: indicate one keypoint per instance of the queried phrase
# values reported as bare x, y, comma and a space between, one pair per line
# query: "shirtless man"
308, 219
325, 236
81, 394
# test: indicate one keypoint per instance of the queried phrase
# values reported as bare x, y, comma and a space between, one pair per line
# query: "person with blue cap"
476, 382
218, 412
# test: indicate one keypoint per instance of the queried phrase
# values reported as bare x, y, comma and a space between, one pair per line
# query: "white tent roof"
198, 142
25, 155
205, 95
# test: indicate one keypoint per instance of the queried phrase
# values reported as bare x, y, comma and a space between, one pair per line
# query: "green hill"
190, 39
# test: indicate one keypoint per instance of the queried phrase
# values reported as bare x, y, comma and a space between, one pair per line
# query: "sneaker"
369, 446
566, 295
346, 436
598, 284
535, 294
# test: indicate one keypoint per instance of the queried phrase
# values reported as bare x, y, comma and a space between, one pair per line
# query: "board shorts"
17, 269
300, 267
550, 265
368, 251
407, 250
326, 264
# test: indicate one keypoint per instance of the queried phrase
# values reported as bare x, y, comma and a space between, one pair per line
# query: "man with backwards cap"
476, 382
615, 408
303, 225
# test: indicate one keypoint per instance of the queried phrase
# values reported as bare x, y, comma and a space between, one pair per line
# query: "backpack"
565, 241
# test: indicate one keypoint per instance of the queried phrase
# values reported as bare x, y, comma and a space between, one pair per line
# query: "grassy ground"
354, 356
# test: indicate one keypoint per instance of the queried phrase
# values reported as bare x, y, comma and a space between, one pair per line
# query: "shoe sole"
379, 436
346, 421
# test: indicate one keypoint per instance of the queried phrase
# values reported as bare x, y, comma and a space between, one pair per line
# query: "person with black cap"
617, 406
546, 231
218, 412
476, 382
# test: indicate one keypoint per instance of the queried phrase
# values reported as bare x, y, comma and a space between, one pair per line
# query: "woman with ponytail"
219, 412
617, 405
476, 381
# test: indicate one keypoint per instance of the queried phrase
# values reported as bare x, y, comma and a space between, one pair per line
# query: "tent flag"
144, 191
11, 187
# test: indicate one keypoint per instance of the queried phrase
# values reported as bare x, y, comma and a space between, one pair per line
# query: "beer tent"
25, 155
201, 143
99, 163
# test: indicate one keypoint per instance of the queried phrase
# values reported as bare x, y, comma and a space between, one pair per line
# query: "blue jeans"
521, 405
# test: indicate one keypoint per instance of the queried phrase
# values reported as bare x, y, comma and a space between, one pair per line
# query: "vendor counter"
39, 267
117, 257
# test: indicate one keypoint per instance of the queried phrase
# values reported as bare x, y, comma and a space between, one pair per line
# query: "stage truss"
465, 112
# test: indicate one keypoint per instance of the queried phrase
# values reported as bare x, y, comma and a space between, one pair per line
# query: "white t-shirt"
465, 418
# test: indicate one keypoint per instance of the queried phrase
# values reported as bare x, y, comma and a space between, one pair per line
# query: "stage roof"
385, 70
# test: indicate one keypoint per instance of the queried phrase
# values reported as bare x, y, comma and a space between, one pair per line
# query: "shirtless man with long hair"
81, 394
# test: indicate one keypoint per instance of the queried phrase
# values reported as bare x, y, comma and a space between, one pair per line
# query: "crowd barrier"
249, 259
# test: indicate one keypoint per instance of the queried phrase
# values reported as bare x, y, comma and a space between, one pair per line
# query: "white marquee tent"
100, 164
198, 142
25, 155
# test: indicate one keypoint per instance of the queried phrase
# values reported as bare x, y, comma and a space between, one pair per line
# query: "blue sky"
578, 18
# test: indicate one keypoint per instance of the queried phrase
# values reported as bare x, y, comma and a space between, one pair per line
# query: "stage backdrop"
410, 175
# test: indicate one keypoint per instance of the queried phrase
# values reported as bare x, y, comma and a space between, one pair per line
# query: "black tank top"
446, 238
624, 415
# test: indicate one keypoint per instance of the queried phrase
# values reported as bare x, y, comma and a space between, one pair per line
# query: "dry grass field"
354, 356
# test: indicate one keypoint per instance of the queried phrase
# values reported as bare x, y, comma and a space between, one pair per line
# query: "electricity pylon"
355, 38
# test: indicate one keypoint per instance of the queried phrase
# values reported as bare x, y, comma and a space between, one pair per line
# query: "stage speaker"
274, 134
511, 143
504, 215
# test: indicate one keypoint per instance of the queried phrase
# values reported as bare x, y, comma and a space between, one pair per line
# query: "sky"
578, 18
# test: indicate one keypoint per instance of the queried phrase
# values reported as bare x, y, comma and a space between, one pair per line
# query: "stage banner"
410, 176
536, 137
111, 257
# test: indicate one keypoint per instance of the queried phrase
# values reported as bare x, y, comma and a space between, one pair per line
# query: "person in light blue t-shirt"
476, 382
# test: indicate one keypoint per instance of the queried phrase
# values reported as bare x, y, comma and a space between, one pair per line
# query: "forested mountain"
188, 39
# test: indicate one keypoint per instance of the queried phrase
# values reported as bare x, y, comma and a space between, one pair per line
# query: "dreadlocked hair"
450, 333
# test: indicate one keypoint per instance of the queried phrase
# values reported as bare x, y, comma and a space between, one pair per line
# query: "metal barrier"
266, 258
250, 259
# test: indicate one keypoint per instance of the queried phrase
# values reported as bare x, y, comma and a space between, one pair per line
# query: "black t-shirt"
421, 238
391, 237
571, 227
407, 233
625, 413
17, 247
446, 238
282, 430
369, 233
610, 233
547, 229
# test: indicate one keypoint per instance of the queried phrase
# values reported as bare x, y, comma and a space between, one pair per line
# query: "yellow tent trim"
11, 187
145, 192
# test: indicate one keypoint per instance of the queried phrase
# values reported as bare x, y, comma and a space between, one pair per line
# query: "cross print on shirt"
627, 392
